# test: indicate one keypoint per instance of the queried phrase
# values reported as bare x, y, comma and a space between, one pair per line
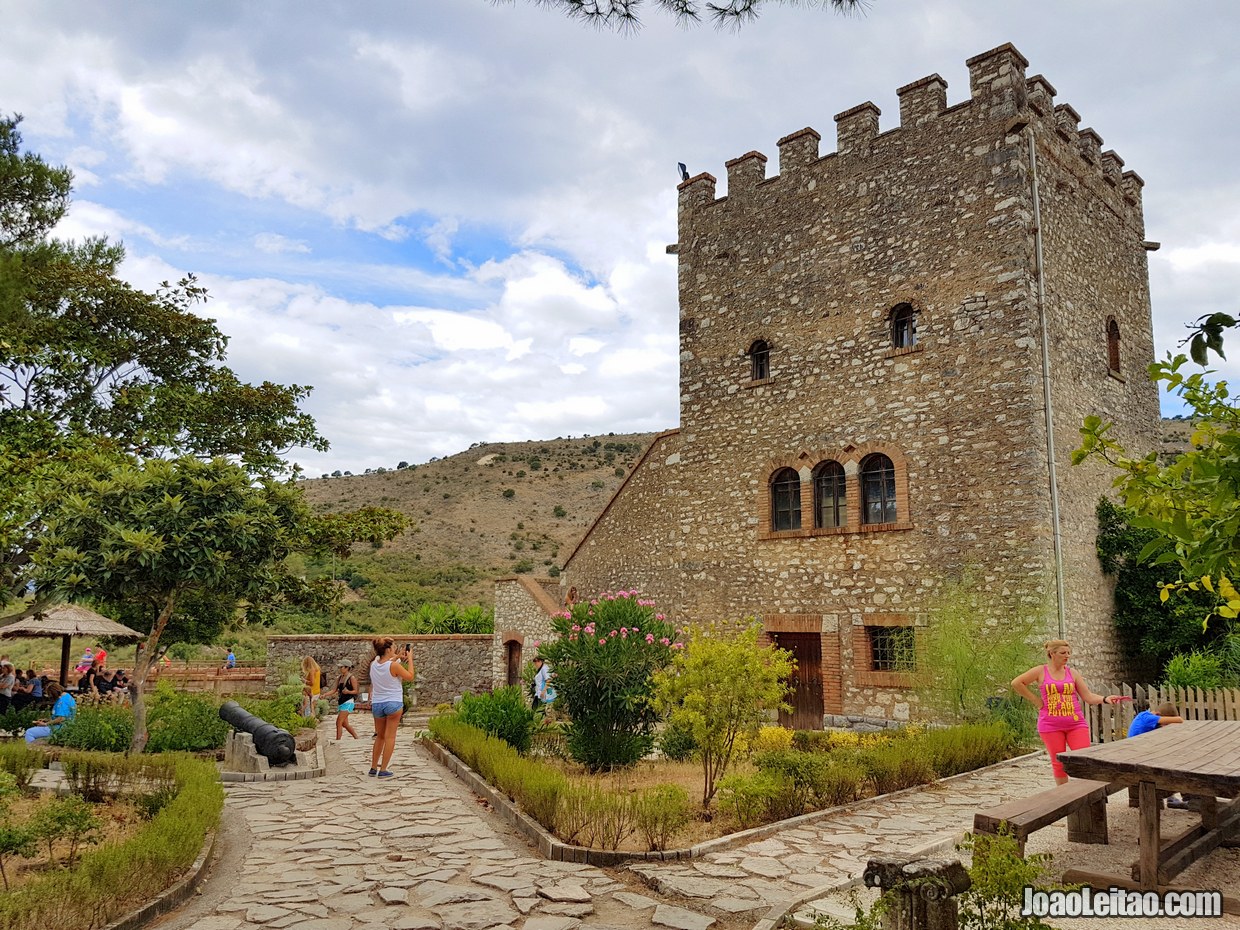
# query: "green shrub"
96, 776
533, 785
114, 878
966, 747
661, 813
842, 782
101, 728
1195, 670
16, 721
69, 818
21, 761
676, 742
896, 765
282, 711
802, 775
750, 798
998, 877
15, 840
181, 722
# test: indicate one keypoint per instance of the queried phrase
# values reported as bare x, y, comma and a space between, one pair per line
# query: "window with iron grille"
878, 489
759, 361
829, 496
891, 648
786, 500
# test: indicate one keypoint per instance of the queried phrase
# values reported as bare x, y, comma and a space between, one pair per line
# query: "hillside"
467, 529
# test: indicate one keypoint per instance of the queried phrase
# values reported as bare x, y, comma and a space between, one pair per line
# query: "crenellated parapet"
1002, 102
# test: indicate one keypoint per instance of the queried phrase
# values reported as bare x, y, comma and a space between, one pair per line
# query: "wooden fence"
1110, 722
246, 678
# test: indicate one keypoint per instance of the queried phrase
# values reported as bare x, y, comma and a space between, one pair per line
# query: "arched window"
878, 489
829, 496
786, 500
903, 327
1112, 345
759, 361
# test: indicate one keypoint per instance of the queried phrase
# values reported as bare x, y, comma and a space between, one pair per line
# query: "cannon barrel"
274, 744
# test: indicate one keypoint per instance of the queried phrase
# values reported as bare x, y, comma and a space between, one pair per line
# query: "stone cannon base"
242, 762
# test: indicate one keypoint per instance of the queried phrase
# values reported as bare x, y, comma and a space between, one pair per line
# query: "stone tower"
886, 355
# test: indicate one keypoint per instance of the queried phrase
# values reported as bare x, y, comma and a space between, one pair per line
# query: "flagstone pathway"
419, 852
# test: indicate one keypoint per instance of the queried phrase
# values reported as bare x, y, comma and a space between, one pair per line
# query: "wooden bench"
1081, 800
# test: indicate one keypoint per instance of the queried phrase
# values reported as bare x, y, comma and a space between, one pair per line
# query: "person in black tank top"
346, 691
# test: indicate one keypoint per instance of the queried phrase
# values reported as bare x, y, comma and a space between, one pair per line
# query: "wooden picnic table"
1199, 758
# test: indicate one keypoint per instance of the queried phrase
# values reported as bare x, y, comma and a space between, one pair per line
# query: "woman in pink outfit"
1060, 693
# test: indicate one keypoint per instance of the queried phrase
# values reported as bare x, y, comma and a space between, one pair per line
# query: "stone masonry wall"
445, 667
523, 608
937, 213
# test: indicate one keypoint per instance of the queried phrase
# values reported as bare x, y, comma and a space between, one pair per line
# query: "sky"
451, 216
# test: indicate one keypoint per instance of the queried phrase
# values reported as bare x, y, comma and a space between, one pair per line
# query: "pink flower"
678, 645
650, 637
624, 634
612, 633
602, 642
665, 641
624, 629
576, 627
660, 617
589, 629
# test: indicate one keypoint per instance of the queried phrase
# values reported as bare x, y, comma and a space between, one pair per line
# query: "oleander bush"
112, 879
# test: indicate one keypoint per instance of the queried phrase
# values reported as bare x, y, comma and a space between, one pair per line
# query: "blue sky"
451, 218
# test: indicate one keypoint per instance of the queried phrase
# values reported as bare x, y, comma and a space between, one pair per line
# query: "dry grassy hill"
493, 510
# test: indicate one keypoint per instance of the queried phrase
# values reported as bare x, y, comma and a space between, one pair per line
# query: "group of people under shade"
19, 689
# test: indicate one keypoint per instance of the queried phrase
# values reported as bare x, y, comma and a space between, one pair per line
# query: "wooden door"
806, 680
514, 661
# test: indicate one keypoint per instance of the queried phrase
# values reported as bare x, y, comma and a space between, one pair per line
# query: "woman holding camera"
387, 699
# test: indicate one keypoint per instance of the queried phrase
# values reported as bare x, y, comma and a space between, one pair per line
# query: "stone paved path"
419, 852
785, 867
416, 852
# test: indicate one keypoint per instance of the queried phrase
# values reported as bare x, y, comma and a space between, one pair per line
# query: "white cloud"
276, 244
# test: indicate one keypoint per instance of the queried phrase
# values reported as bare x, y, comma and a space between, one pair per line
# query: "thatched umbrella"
67, 621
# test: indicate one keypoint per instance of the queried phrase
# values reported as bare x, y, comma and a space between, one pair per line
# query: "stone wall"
938, 214
523, 609
445, 667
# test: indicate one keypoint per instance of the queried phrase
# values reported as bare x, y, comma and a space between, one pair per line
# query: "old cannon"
277, 746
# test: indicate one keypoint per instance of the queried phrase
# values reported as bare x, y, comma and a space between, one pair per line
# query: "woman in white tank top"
387, 699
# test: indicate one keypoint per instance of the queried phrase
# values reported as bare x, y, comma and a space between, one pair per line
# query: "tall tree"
150, 540
90, 364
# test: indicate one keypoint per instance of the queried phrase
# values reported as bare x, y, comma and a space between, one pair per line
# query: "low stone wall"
445, 666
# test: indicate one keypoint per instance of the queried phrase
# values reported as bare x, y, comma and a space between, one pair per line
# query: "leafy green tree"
90, 365
149, 536
1150, 630
722, 689
970, 650
69, 818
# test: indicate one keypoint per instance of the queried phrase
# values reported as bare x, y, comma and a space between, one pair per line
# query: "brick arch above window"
807, 464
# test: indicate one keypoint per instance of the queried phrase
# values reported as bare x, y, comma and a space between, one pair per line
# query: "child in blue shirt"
1150, 720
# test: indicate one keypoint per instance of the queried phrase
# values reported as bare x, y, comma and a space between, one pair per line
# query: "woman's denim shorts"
386, 709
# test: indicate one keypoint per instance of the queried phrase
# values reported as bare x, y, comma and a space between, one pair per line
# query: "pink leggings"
1058, 740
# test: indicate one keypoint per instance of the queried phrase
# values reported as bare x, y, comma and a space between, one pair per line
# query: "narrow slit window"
1113, 345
